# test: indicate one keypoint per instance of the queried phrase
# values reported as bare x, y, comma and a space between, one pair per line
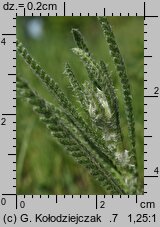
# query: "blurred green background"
43, 167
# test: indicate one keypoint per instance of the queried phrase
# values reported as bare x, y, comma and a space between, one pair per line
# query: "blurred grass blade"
23, 151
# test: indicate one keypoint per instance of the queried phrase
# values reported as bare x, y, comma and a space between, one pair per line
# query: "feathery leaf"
95, 142
50, 116
120, 66
79, 40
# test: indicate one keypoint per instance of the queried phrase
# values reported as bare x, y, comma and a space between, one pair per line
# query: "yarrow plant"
95, 138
